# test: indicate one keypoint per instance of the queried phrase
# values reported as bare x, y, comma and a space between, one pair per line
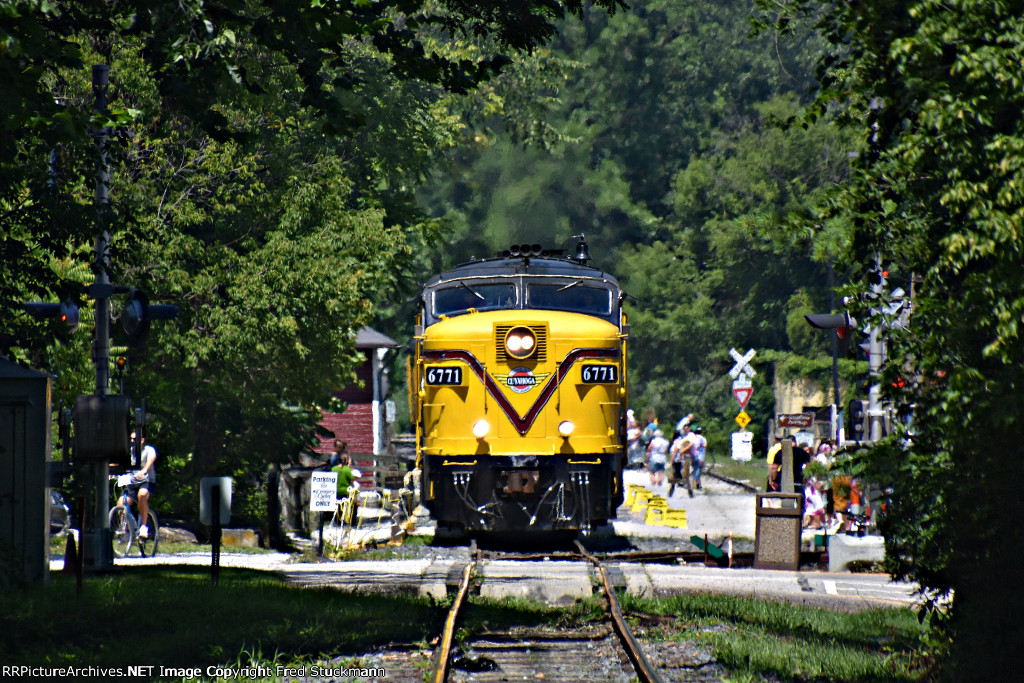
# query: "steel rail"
728, 480
445, 648
644, 669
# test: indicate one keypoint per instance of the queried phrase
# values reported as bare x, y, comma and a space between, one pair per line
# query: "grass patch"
755, 472
755, 638
58, 545
381, 552
173, 616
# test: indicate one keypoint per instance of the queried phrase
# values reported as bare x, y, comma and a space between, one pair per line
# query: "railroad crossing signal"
742, 366
66, 311
139, 312
743, 419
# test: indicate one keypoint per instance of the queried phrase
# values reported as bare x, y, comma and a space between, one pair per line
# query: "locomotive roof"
519, 265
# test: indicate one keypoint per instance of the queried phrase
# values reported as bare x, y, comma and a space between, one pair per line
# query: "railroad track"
728, 480
606, 652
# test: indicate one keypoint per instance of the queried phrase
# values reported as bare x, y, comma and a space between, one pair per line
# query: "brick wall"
355, 427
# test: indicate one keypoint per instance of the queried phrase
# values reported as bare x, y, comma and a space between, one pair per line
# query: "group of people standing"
683, 456
828, 499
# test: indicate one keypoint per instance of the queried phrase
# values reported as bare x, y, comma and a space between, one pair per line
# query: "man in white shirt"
143, 484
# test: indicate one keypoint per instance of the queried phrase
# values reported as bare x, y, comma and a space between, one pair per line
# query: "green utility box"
24, 469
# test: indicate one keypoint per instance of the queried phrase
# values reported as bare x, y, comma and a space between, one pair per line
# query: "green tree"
666, 158
932, 89
265, 158
664, 76
723, 275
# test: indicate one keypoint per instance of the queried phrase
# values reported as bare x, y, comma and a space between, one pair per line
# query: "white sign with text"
323, 490
742, 446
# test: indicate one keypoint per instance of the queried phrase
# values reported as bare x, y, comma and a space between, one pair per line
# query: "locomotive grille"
539, 331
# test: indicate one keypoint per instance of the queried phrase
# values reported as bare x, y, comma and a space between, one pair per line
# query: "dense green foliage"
933, 89
263, 158
667, 160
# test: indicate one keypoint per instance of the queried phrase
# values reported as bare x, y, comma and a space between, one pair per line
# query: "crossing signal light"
858, 421
842, 323
829, 321
877, 276
138, 313
66, 311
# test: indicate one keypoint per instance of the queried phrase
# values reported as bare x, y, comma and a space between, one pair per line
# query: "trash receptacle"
778, 517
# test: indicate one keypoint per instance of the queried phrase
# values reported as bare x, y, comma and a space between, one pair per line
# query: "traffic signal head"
858, 419
101, 429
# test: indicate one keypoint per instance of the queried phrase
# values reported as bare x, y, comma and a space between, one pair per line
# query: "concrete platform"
717, 510
843, 550
561, 582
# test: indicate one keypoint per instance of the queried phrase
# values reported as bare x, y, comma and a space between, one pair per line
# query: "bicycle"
684, 477
124, 524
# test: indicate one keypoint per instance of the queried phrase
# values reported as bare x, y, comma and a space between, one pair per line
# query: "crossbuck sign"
742, 366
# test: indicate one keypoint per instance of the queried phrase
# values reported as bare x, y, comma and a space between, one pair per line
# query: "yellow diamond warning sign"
743, 419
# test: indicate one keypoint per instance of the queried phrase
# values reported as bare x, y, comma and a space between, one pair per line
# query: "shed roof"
369, 338
9, 370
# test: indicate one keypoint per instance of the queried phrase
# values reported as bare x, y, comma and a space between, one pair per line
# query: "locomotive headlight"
520, 342
480, 429
565, 428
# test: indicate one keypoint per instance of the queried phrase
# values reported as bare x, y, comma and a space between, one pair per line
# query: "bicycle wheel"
148, 546
122, 529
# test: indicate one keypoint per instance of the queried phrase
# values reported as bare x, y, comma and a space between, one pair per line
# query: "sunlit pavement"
718, 510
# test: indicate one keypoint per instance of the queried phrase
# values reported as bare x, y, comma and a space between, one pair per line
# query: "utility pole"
837, 402
876, 356
99, 553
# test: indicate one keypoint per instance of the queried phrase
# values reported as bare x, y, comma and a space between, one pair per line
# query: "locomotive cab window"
571, 296
462, 297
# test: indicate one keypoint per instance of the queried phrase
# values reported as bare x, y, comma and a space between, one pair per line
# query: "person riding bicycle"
142, 485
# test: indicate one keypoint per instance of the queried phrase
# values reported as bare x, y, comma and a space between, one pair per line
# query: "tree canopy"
932, 89
263, 160
663, 152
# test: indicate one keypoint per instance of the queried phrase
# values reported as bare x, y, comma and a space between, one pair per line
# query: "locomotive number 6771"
517, 389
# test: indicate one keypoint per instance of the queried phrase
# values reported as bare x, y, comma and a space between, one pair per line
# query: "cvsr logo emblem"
521, 380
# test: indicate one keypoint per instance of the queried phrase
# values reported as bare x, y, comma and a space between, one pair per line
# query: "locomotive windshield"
513, 283
462, 297
574, 296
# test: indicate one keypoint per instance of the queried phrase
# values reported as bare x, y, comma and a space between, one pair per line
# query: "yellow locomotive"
517, 389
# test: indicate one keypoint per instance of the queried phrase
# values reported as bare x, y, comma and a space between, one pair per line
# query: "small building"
363, 425
804, 395
24, 467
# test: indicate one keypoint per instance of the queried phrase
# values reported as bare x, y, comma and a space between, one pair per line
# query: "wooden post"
786, 481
